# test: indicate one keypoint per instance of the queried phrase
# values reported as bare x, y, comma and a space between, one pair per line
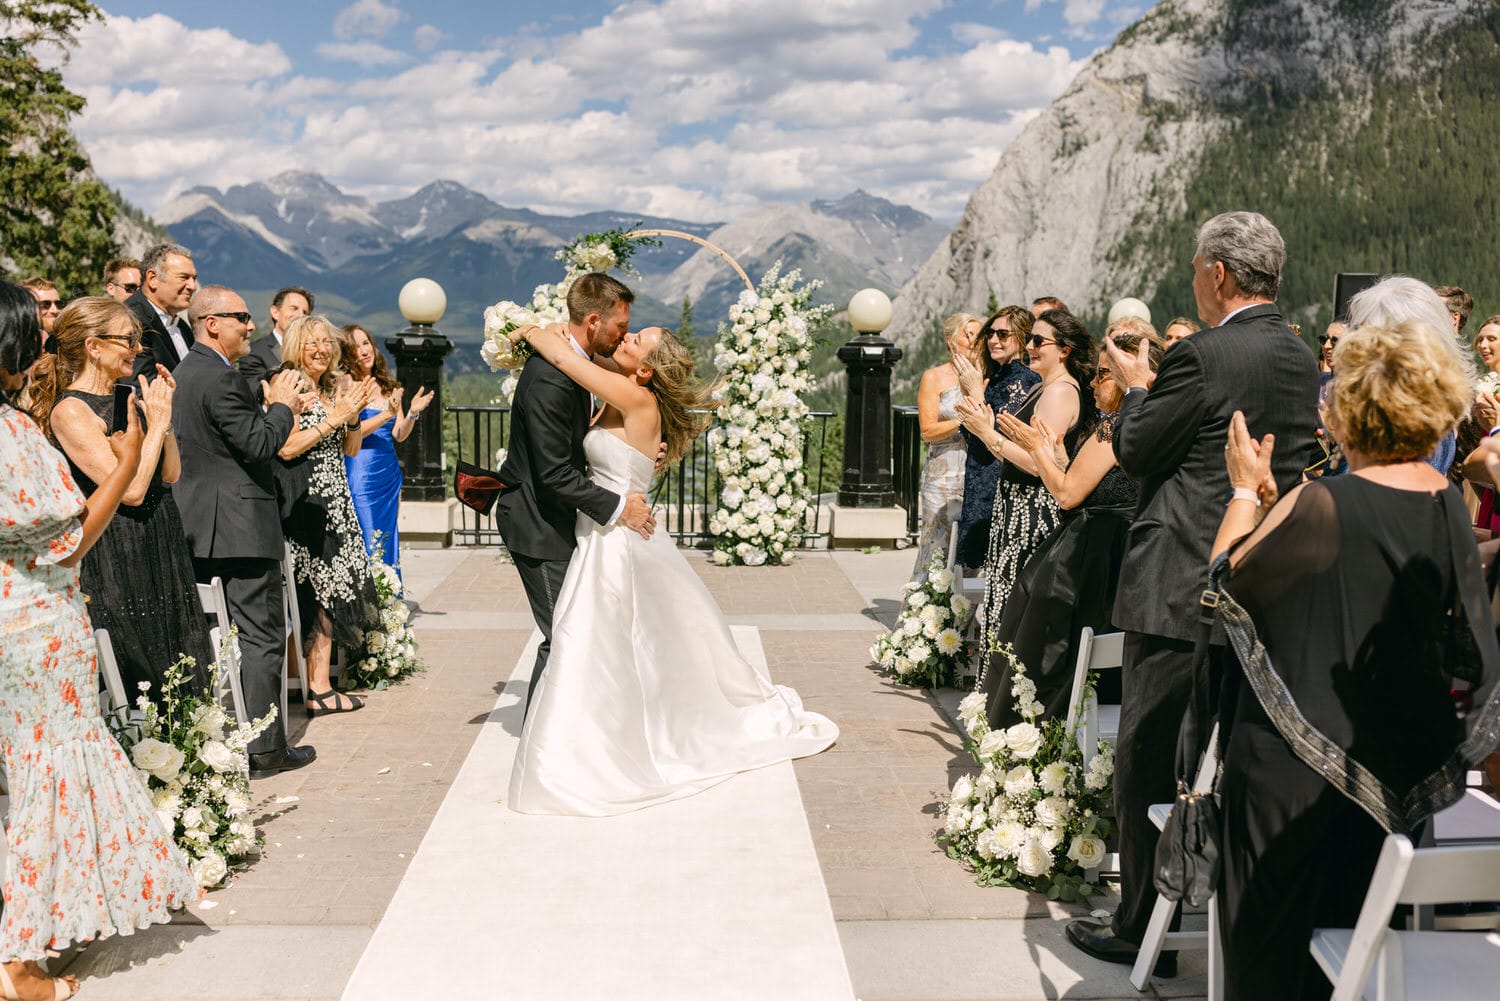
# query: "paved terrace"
342, 834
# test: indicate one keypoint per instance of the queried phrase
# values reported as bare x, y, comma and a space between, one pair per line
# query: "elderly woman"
88, 857
1341, 734
139, 577
943, 475
1069, 582
1002, 380
335, 592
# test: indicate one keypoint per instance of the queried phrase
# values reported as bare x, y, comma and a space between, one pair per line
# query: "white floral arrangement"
1031, 817
927, 647
390, 651
592, 252
762, 356
193, 760
1489, 382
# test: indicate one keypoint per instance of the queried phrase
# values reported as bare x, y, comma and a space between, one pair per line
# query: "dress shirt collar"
578, 347
1231, 315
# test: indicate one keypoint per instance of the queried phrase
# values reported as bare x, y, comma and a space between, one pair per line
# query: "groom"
545, 470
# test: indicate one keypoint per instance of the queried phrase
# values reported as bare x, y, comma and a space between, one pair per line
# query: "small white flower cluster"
763, 355
1489, 382
390, 651
193, 760
927, 645
1031, 816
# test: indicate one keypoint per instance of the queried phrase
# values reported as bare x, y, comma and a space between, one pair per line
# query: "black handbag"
476, 487
1187, 853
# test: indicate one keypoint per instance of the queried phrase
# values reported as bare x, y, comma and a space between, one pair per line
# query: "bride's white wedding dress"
645, 697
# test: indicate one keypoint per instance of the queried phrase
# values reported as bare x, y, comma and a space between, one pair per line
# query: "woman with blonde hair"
942, 492
335, 592
646, 697
1341, 734
139, 576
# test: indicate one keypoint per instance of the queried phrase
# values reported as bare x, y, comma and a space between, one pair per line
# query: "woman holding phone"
139, 577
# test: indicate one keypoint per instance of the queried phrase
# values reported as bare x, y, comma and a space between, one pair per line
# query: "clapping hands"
352, 399
975, 415
970, 378
1249, 461
155, 399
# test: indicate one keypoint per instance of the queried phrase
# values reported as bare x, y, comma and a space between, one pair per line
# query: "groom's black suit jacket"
545, 469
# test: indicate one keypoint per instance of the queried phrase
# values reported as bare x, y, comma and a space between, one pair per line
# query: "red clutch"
476, 487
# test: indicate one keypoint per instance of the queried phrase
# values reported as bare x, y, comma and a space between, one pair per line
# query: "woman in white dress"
645, 698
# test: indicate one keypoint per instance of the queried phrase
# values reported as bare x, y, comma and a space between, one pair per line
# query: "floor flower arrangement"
390, 652
927, 647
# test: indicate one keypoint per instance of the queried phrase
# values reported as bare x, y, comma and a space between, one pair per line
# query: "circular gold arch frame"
700, 242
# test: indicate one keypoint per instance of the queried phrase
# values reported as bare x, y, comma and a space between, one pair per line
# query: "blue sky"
698, 109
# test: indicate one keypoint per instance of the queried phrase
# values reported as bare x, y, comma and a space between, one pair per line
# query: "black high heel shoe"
327, 703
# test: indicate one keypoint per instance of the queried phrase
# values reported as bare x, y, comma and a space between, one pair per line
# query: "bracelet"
1246, 494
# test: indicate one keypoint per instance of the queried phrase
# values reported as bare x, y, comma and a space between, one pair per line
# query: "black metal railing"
686, 493
906, 464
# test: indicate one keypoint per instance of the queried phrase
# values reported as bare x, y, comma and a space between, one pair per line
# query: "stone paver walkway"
341, 833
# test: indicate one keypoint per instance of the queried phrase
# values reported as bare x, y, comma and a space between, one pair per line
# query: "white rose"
192, 817
159, 758
1054, 778
942, 580
919, 652
1024, 740
1051, 838
971, 706
217, 755
984, 787
1053, 811
963, 790
986, 844
957, 820
960, 606
1019, 782
210, 870
1086, 851
992, 744
1033, 859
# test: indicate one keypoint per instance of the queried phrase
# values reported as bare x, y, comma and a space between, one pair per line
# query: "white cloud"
362, 53
426, 38
971, 33
366, 19
1079, 13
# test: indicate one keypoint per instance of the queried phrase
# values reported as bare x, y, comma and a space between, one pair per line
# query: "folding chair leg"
1215, 952
1151, 944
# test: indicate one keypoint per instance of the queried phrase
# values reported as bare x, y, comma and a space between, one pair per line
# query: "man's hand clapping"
282, 389
1132, 371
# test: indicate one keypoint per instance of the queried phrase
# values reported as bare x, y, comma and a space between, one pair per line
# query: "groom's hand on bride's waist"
637, 515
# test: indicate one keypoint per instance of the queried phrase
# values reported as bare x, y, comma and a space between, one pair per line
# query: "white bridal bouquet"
927, 646
192, 758
390, 651
762, 356
1031, 816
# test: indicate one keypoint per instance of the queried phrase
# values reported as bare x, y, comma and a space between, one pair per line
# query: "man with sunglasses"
49, 304
122, 276
169, 279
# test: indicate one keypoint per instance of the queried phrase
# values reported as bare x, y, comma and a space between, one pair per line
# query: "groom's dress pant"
543, 579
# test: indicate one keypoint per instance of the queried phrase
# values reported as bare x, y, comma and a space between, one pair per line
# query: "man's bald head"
212, 299
221, 321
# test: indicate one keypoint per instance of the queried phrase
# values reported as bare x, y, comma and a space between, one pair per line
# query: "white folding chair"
1096, 652
1374, 962
294, 630
226, 650
1158, 937
971, 588
109, 671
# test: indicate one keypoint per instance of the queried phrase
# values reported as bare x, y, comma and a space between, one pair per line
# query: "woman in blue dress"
374, 473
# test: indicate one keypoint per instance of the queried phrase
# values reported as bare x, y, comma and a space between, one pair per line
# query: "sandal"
62, 987
327, 703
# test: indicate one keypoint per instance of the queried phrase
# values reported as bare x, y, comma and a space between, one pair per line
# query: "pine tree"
992, 304
685, 322
56, 218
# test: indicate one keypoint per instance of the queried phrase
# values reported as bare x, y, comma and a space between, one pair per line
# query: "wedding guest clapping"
335, 591
943, 474
88, 857
139, 577
374, 473
1384, 562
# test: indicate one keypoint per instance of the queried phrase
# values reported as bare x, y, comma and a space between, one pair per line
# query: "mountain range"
354, 253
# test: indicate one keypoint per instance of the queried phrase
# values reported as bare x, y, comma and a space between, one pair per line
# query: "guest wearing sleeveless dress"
943, 476
374, 473
139, 577
1001, 381
87, 855
335, 592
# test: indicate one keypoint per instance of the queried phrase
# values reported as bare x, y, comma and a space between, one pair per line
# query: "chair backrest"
953, 549
109, 670
1096, 652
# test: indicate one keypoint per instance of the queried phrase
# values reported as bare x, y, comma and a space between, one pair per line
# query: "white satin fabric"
645, 697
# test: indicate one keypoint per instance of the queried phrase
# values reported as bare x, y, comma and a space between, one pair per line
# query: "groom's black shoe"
263, 766
1098, 939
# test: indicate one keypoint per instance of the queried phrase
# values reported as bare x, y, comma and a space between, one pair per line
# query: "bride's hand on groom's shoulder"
637, 515
661, 456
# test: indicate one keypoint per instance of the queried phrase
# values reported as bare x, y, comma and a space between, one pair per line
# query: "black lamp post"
419, 351
867, 404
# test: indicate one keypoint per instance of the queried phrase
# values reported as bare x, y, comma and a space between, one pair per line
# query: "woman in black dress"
1069, 582
1349, 610
1002, 384
139, 576
1063, 354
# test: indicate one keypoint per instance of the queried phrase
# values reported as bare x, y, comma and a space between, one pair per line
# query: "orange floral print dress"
87, 856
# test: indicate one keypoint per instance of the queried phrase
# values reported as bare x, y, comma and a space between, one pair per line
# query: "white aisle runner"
717, 896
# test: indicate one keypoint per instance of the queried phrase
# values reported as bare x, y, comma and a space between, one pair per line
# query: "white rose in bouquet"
984, 787
1019, 782
957, 820
971, 706
986, 845
209, 870
159, 758
919, 652
1053, 811
992, 743
963, 790
1054, 778
1033, 860
1024, 740
1087, 851
217, 755
1051, 838
192, 817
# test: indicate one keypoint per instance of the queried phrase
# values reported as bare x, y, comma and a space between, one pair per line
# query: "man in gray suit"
227, 495
1172, 439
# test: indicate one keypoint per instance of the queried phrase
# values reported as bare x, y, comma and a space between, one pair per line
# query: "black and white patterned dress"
328, 550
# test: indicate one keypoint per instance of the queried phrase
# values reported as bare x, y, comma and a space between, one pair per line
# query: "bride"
645, 698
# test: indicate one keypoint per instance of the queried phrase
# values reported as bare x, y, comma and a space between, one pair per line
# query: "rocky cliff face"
1076, 203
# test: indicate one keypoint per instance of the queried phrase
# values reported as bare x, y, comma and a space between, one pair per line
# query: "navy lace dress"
1006, 392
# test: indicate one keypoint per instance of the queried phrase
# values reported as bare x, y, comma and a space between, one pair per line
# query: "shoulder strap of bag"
1189, 736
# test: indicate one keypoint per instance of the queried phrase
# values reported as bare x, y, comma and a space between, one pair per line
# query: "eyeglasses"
996, 334
133, 340
242, 317
1037, 340
127, 286
48, 304
1101, 373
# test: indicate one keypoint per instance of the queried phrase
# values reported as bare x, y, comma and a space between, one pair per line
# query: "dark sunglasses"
46, 304
242, 317
127, 286
1037, 340
997, 335
133, 340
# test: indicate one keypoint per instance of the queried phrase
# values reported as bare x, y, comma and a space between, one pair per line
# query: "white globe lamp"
869, 311
1129, 306
422, 302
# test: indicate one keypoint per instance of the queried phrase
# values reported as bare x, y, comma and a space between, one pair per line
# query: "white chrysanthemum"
949, 642
1051, 838
941, 580
919, 652
1009, 837
960, 606
985, 844
984, 787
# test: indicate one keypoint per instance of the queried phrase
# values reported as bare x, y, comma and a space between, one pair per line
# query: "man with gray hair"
1172, 440
168, 280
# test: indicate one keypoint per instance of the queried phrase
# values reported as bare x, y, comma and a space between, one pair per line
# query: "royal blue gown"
375, 484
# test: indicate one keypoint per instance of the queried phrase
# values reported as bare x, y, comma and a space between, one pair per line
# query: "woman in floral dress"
335, 592
88, 857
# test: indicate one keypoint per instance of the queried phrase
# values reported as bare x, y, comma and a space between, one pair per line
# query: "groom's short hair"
596, 292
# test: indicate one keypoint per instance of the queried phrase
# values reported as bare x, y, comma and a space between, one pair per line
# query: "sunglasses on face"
127, 286
133, 340
242, 317
1037, 340
1101, 373
997, 334
46, 305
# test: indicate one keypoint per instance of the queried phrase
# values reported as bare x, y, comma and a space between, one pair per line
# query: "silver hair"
1398, 299
1250, 248
157, 253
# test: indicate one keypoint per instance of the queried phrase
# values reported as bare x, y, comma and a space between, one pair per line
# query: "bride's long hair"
685, 405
